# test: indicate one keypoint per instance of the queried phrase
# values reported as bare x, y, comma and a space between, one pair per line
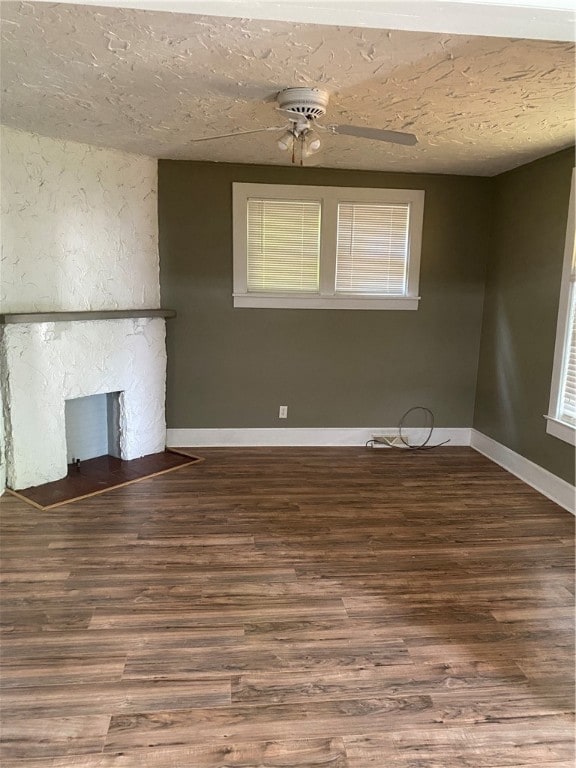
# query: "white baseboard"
189, 438
539, 478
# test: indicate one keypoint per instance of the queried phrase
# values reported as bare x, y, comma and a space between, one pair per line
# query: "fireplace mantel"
103, 314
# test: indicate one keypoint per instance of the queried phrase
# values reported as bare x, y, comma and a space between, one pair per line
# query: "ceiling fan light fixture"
286, 141
312, 146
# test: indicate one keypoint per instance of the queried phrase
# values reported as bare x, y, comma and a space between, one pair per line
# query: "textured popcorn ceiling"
148, 82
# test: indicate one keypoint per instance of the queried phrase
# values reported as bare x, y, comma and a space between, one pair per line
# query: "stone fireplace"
46, 363
79, 297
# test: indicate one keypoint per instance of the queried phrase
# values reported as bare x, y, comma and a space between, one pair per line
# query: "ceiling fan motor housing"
311, 103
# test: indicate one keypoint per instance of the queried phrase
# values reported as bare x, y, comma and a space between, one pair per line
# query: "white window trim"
554, 426
330, 197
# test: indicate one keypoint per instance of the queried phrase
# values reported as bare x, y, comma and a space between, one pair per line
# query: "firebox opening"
92, 426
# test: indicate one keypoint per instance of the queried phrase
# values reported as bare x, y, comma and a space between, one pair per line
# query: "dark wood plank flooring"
268, 608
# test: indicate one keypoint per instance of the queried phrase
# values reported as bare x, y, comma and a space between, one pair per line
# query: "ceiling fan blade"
242, 133
377, 134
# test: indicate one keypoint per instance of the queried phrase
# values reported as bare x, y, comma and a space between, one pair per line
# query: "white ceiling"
148, 81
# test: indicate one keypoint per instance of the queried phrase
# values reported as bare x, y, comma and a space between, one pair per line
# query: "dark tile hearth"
102, 474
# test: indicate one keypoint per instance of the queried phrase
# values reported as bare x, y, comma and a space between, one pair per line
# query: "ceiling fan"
302, 107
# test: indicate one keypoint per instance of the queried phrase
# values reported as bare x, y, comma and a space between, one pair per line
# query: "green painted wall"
521, 306
333, 368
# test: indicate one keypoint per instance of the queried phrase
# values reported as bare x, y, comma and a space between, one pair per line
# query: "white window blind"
372, 251
283, 245
567, 405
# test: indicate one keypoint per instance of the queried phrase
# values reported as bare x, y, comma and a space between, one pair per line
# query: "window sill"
561, 430
268, 301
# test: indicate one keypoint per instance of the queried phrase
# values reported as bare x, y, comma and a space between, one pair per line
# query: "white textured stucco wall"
79, 232
2, 429
79, 226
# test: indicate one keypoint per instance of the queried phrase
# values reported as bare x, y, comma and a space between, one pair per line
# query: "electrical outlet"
283, 412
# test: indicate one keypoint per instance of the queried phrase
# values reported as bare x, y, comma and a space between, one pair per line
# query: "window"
326, 247
372, 250
561, 420
283, 245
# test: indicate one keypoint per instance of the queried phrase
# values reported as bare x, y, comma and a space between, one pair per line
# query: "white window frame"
326, 298
554, 426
